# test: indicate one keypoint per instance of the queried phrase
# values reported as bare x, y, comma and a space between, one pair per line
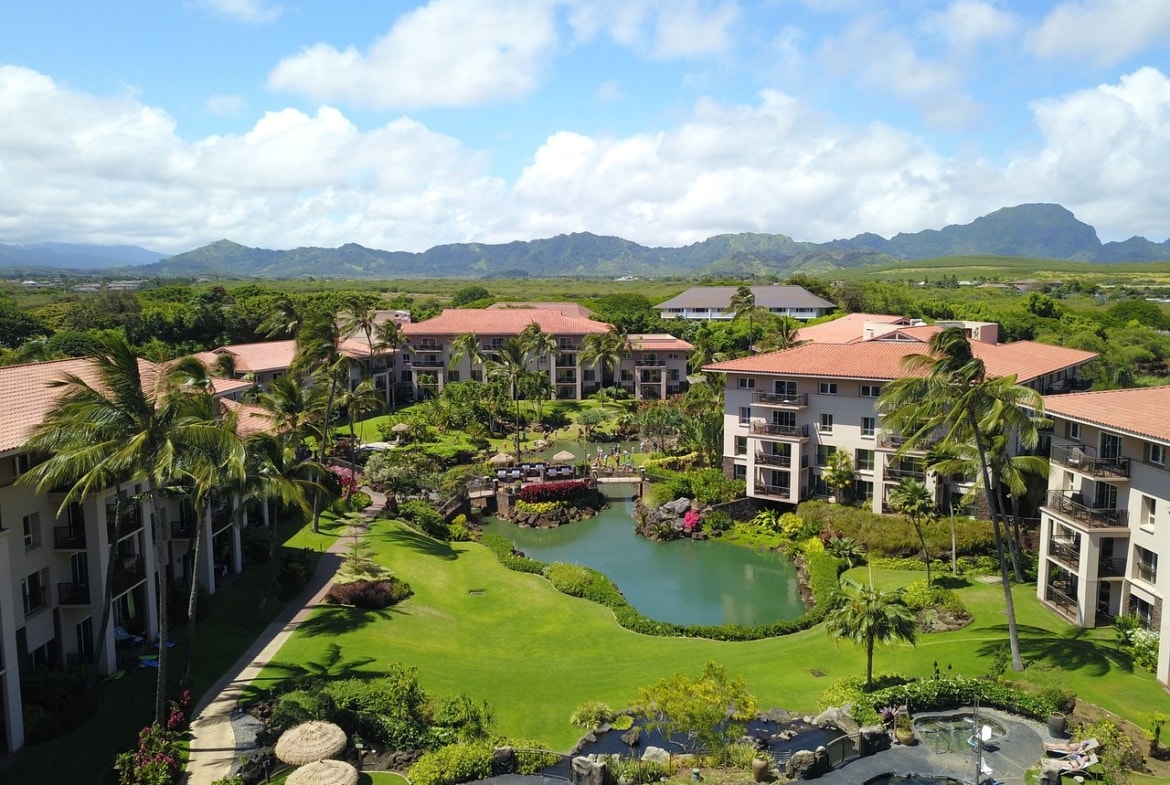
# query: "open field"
1010, 268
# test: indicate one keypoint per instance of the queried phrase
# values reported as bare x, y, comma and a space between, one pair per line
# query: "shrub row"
968, 565
371, 595
708, 486
566, 491
539, 508
587, 583
889, 535
453, 764
946, 692
422, 515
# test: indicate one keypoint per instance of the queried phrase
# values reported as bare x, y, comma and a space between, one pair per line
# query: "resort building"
786, 412
1105, 520
652, 366
53, 559
707, 303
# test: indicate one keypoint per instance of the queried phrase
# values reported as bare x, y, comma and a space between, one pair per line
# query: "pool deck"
1021, 748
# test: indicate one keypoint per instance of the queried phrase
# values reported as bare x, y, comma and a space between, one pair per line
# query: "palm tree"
291, 406
779, 333
361, 319
510, 365
467, 345
867, 617
137, 422
743, 303
912, 499
948, 393
283, 320
605, 350
356, 403
540, 344
388, 336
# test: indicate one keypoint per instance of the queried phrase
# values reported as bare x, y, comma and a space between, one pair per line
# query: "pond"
684, 582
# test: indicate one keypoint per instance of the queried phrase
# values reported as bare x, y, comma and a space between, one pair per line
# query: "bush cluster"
585, 582
568, 491
707, 486
888, 535
158, 757
455, 763
296, 567
1139, 643
423, 516
946, 692
538, 508
917, 596
370, 595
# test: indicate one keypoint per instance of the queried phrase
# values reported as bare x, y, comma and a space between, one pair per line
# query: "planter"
759, 770
1057, 723
905, 737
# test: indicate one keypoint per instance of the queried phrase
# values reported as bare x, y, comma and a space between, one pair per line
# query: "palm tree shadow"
418, 542
330, 666
1072, 650
334, 620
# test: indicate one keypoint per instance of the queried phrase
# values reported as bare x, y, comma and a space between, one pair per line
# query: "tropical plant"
467, 346
839, 475
510, 366
778, 333
604, 350
743, 303
868, 617
708, 710
388, 336
912, 499
134, 422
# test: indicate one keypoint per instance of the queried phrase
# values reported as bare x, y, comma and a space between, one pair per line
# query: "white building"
707, 303
786, 412
1105, 522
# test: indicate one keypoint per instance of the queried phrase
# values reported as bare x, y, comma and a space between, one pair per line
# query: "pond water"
952, 732
684, 582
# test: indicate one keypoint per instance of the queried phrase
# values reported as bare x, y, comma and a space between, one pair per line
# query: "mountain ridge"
1044, 231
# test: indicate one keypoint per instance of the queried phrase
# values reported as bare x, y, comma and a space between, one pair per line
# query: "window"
1074, 430
747, 383
745, 415
452, 376
673, 375
868, 426
32, 531
739, 472
1143, 610
828, 388
1149, 512
826, 423
863, 489
784, 388
741, 445
1110, 446
823, 453
20, 464
589, 375
1158, 454
476, 375
864, 460
1146, 566
871, 390
32, 590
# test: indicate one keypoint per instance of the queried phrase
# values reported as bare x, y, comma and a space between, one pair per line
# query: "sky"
404, 125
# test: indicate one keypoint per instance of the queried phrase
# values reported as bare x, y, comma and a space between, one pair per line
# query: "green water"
684, 582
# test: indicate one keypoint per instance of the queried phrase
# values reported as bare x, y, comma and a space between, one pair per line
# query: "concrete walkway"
213, 738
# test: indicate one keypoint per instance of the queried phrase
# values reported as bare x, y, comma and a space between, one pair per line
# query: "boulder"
583, 771
807, 765
657, 755
835, 717
1050, 773
676, 508
874, 738
503, 761
632, 737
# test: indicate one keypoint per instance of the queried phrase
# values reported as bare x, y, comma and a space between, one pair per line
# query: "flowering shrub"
371, 595
345, 478
155, 762
540, 508
567, 491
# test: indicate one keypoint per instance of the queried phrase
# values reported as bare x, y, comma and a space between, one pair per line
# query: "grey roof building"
714, 302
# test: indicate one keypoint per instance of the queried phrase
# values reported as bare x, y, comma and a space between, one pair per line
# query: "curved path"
213, 739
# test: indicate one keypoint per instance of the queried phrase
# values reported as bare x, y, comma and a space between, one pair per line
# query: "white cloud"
226, 105
447, 53
1103, 31
610, 91
659, 29
966, 24
250, 11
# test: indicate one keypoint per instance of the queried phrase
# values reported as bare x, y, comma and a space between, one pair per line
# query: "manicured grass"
235, 619
535, 654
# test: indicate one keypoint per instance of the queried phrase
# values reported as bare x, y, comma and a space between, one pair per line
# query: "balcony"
130, 518
797, 401
783, 431
1072, 507
767, 459
416, 363
128, 571
896, 473
1066, 550
892, 441
566, 378
427, 346
568, 346
182, 528
73, 594
1111, 568
35, 599
1081, 460
1059, 597
782, 492
67, 538
566, 362
639, 363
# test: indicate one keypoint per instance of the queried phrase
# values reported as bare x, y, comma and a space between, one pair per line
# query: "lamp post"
361, 750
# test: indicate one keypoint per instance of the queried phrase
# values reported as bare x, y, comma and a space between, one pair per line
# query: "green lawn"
535, 654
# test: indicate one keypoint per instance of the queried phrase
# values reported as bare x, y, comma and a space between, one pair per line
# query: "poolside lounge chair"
984, 741
1079, 762
1069, 749
121, 635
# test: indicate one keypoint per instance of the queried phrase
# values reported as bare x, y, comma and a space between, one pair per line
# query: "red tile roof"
847, 329
882, 360
568, 309
1143, 411
250, 419
657, 342
503, 321
257, 357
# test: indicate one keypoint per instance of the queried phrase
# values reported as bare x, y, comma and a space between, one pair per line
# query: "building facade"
709, 303
1105, 520
786, 412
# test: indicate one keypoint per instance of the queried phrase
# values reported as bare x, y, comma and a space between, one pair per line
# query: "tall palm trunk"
321, 451
160, 686
996, 528
107, 596
193, 597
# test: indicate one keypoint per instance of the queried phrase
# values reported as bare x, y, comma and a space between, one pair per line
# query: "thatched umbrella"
324, 772
402, 427
310, 742
563, 456
502, 459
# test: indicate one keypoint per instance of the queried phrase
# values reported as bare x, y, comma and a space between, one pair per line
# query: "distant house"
706, 303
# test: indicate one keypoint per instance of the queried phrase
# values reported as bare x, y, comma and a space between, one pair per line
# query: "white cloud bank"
92, 169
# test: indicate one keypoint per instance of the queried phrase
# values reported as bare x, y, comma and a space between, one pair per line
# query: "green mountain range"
1039, 231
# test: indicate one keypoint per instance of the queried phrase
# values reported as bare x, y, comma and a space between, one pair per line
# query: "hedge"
947, 692
567, 491
587, 583
893, 535
455, 763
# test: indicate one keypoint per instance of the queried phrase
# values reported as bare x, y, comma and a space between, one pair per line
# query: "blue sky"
403, 125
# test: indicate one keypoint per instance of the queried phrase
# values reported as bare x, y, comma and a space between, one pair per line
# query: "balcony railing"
73, 593
128, 571
67, 538
427, 346
566, 378
892, 441
1079, 459
1111, 568
425, 363
779, 399
1071, 506
773, 460
34, 599
775, 429
1066, 550
901, 473
774, 491
1063, 602
642, 362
